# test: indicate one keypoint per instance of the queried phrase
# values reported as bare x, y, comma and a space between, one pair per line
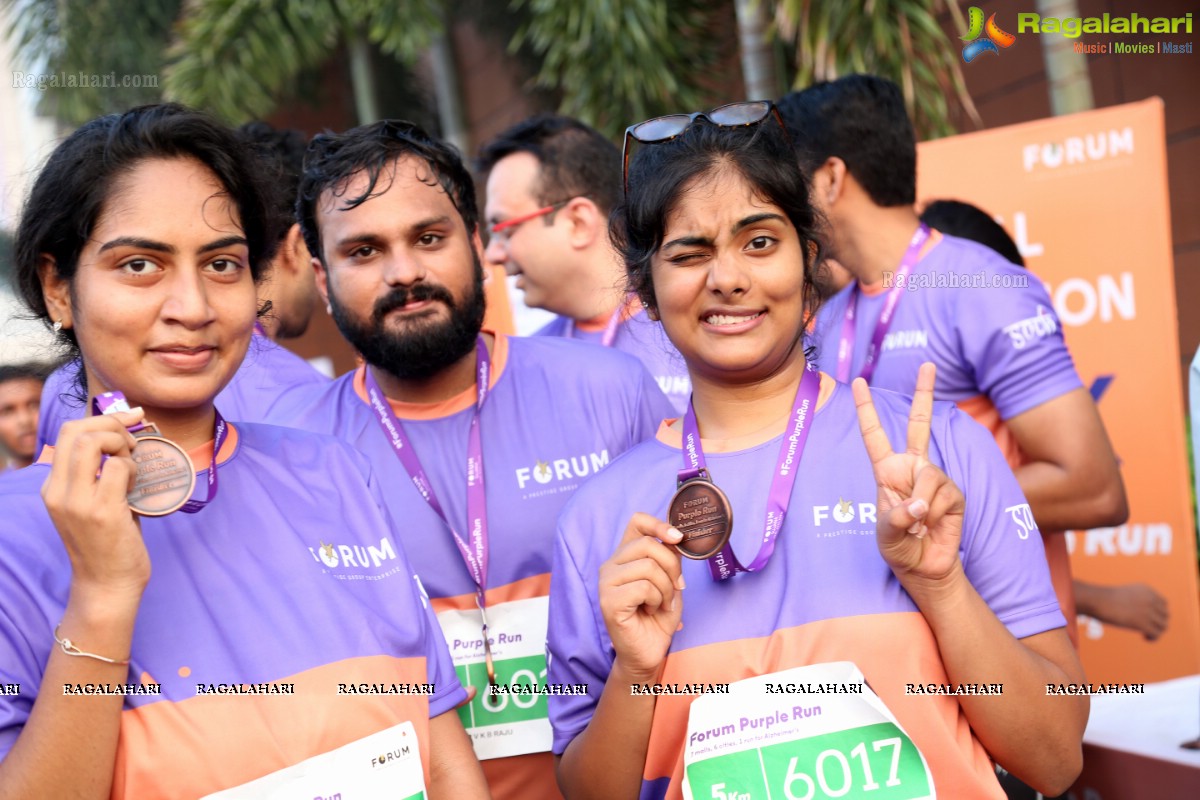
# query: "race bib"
509, 724
384, 764
756, 743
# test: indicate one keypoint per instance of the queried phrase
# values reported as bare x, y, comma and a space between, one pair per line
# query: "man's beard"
427, 347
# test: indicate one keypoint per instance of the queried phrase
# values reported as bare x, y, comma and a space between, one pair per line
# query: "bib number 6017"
835, 774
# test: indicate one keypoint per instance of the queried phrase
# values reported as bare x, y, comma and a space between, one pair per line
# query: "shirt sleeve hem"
1046, 393
563, 740
447, 702
1034, 621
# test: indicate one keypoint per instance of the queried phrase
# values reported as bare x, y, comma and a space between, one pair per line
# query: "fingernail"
671, 605
918, 508
674, 534
915, 527
681, 584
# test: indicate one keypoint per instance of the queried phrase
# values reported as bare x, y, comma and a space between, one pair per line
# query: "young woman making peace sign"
883, 620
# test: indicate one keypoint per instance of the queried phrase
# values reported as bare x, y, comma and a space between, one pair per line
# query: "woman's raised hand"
641, 595
919, 509
85, 495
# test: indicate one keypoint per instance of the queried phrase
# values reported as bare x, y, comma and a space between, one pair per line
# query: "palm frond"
114, 58
897, 39
239, 57
236, 57
620, 61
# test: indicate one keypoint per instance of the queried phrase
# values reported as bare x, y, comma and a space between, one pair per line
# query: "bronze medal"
165, 475
701, 512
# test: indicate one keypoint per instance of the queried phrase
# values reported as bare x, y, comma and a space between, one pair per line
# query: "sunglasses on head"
664, 129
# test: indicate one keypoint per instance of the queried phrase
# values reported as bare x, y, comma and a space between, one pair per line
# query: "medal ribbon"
474, 550
724, 564
846, 345
111, 402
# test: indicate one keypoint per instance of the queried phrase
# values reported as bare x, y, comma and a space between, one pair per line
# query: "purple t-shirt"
271, 382
826, 594
558, 412
645, 338
992, 337
257, 587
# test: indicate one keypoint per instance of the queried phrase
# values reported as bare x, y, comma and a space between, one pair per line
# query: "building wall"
1012, 88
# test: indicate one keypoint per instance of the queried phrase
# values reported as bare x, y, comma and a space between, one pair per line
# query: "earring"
57, 325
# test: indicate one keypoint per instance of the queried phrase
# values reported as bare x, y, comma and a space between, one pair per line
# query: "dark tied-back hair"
956, 218
81, 174
333, 159
280, 155
659, 174
860, 119
576, 160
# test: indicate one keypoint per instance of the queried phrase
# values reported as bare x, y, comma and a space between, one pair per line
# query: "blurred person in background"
1000, 352
1135, 606
551, 184
20, 394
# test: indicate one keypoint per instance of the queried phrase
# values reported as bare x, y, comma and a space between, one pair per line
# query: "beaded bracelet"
70, 649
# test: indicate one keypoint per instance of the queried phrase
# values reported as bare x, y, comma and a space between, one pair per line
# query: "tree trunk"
362, 78
758, 61
1067, 75
447, 90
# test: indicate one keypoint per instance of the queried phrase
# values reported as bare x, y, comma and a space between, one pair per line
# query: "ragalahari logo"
994, 40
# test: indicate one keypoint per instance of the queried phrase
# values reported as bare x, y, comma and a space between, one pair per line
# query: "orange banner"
1085, 198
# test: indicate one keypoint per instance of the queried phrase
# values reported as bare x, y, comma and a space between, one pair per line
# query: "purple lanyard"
259, 330
610, 329
846, 345
724, 564
474, 553
111, 402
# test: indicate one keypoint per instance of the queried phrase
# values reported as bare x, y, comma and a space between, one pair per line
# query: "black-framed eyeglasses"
664, 129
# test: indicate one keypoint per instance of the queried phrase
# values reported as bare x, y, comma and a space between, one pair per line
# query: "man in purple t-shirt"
552, 183
480, 438
919, 296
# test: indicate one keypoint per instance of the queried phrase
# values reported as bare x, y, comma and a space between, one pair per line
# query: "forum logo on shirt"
553, 472
833, 520
354, 556
906, 340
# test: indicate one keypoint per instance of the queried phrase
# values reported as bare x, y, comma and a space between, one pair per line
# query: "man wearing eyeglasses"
552, 182
478, 439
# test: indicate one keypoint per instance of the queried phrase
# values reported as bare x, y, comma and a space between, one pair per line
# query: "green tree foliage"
897, 39
621, 61
608, 62
93, 37
238, 57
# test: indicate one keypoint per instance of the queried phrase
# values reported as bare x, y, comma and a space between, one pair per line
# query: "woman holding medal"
767, 597
226, 608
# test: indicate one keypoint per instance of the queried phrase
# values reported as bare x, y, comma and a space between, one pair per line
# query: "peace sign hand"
919, 509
